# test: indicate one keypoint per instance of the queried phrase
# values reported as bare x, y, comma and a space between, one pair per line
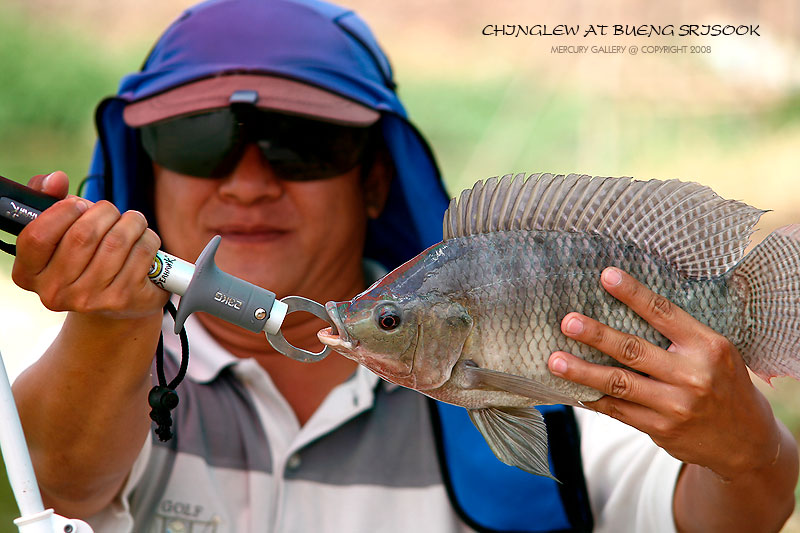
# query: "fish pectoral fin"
516, 385
517, 436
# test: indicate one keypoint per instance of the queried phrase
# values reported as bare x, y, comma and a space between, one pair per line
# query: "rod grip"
20, 205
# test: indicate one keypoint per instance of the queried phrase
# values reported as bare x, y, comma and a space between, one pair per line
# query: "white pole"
34, 517
15, 451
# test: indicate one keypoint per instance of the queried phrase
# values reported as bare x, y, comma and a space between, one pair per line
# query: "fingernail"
138, 213
612, 277
558, 365
46, 180
82, 206
574, 326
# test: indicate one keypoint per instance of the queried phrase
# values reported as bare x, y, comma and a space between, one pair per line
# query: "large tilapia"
473, 320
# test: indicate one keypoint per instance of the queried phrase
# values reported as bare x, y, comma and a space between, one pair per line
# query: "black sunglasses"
209, 145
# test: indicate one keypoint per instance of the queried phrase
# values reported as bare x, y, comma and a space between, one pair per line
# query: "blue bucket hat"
312, 42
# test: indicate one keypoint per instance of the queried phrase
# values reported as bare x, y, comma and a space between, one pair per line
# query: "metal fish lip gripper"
204, 287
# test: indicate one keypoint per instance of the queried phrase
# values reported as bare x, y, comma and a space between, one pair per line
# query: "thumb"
55, 184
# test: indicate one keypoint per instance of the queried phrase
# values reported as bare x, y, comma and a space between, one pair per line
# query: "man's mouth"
250, 234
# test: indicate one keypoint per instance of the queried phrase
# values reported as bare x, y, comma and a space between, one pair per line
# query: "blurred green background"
488, 105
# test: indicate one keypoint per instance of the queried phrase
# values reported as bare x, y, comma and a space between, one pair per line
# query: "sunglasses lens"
301, 149
206, 145
210, 144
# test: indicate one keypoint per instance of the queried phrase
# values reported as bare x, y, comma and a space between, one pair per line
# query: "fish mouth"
336, 336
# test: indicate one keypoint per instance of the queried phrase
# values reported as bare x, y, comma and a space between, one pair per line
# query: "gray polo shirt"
364, 462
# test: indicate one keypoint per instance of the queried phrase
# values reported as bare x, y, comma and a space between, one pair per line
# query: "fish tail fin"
770, 277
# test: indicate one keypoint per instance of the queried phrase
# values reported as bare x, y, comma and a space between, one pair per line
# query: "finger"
134, 272
613, 381
80, 242
113, 250
38, 241
630, 350
129, 293
639, 416
140, 259
666, 317
35, 182
56, 184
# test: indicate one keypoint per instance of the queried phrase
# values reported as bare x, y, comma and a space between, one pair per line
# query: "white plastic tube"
171, 273
34, 517
15, 452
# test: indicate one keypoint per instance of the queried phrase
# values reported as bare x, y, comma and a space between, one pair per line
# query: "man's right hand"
87, 257
83, 403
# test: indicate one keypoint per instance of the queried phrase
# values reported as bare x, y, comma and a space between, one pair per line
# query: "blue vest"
491, 496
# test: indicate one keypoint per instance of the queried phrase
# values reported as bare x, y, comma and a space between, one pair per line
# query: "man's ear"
377, 183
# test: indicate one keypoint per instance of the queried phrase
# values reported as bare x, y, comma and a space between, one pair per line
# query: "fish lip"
333, 313
344, 339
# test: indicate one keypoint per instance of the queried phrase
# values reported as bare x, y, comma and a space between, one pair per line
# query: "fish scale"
474, 319
518, 284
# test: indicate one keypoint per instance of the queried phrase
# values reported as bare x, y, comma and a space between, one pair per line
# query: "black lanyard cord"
162, 397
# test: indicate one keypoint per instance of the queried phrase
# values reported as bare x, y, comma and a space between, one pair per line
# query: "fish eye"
387, 317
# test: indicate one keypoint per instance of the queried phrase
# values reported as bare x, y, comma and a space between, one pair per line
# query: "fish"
472, 320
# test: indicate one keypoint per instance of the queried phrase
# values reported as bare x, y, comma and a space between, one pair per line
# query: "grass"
52, 82
479, 127
495, 127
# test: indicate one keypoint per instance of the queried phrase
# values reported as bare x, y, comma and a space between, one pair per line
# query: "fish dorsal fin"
684, 223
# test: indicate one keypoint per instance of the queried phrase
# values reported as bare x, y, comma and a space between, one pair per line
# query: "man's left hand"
696, 399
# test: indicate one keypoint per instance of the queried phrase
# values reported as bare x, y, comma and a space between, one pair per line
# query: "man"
276, 125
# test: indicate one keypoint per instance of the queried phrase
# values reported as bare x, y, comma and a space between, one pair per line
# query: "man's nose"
252, 179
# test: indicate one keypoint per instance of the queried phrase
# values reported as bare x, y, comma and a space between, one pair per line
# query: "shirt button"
294, 462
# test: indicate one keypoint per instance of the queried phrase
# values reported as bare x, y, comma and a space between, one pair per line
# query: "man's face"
290, 237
